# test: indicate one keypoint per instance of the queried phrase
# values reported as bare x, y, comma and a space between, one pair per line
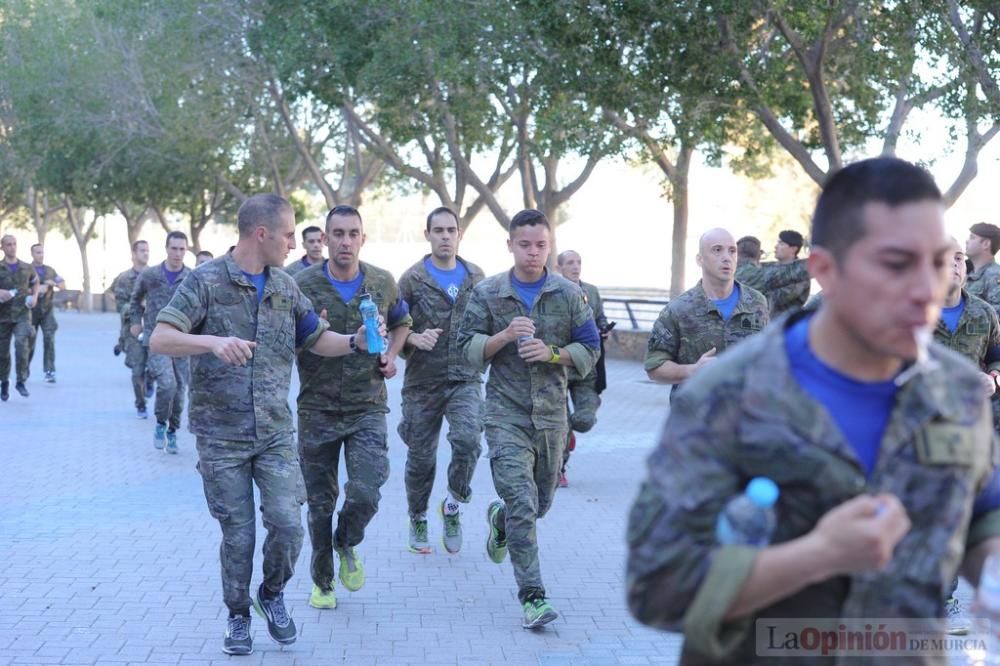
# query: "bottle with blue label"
749, 519
369, 315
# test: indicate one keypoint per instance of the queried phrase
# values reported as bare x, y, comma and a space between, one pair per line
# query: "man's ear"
822, 267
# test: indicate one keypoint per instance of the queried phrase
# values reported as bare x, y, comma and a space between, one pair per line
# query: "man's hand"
861, 534
519, 327
387, 365
361, 337
31, 302
43, 287
233, 351
705, 359
989, 383
425, 341
5, 295
135, 330
534, 350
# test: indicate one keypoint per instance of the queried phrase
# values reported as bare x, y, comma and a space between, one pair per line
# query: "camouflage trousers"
171, 376
364, 440
525, 463
21, 332
424, 410
47, 322
583, 393
135, 360
228, 471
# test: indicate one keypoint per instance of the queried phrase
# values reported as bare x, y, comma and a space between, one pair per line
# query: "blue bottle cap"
762, 491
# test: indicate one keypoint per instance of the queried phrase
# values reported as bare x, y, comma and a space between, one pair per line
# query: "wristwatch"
555, 354
353, 342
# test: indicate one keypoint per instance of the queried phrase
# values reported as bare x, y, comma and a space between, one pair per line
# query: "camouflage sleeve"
597, 305
584, 357
302, 310
188, 306
137, 300
991, 293
987, 524
393, 301
664, 342
475, 330
776, 276
677, 577
993, 343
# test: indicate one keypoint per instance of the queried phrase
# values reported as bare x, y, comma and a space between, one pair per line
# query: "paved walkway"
109, 555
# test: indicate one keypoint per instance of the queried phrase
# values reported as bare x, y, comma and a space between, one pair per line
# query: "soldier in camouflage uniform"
245, 322
981, 248
784, 284
135, 351
18, 295
43, 316
529, 326
786, 253
313, 240
876, 505
342, 405
969, 326
584, 392
153, 290
705, 320
438, 382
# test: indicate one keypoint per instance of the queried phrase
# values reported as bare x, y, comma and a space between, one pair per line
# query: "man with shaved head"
713, 315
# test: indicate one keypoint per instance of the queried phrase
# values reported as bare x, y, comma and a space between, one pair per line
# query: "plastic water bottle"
27, 300
749, 519
369, 314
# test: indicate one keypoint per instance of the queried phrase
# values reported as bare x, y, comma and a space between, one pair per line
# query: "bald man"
710, 317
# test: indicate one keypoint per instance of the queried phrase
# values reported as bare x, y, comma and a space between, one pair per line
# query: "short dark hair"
32, 248
343, 210
135, 245
792, 238
528, 217
748, 247
310, 230
838, 223
176, 234
261, 210
438, 210
203, 253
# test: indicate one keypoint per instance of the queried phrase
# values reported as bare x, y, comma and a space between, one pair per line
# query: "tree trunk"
82, 234
679, 187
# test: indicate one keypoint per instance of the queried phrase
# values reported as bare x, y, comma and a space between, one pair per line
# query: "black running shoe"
279, 625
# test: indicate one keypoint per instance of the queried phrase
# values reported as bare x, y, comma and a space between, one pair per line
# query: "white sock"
450, 505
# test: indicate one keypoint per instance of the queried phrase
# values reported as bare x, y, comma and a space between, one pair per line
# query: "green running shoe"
496, 540
419, 543
538, 613
352, 573
322, 599
451, 539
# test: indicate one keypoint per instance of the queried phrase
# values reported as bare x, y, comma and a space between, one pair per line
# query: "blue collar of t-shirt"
450, 280
258, 280
528, 291
727, 305
347, 290
171, 275
951, 316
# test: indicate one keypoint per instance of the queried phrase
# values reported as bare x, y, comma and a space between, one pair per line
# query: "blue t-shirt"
728, 304
12, 267
347, 290
528, 291
257, 280
450, 281
950, 316
860, 409
172, 275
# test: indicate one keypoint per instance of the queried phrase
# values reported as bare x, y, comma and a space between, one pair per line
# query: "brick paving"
109, 555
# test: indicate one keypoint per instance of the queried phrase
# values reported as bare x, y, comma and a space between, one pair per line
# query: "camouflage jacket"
122, 289
785, 286
45, 273
430, 307
530, 395
242, 403
298, 265
984, 282
691, 325
977, 333
150, 294
746, 416
353, 383
24, 280
592, 297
